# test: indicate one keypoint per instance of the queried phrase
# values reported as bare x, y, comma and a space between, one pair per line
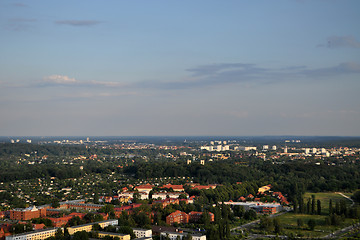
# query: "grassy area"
325, 199
289, 221
290, 225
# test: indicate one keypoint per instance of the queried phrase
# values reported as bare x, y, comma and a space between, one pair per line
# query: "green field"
325, 199
289, 221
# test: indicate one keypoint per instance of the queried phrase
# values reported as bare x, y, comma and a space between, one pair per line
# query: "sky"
185, 68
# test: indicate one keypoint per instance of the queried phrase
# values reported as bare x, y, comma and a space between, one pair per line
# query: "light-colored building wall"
111, 234
174, 235
34, 235
88, 227
139, 233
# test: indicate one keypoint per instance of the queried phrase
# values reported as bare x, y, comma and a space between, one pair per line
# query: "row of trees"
313, 206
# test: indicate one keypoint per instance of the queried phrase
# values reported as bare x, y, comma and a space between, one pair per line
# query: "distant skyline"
182, 68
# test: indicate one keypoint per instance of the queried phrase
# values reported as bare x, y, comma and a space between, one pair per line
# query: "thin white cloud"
64, 80
60, 79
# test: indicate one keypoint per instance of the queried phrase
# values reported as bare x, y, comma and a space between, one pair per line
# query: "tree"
136, 197
277, 226
205, 218
59, 235
337, 208
295, 206
356, 196
250, 214
96, 227
83, 235
127, 230
313, 204
308, 208
188, 237
330, 207
108, 208
55, 203
300, 222
266, 223
311, 224
318, 207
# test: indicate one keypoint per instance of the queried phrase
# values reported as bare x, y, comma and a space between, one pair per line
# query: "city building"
176, 188
141, 233
177, 217
34, 235
111, 234
27, 213
181, 235
88, 227
145, 188
196, 216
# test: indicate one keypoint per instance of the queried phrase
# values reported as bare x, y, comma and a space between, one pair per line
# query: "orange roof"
38, 226
146, 186
173, 186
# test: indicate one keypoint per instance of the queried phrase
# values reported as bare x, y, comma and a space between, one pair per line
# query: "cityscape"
179, 120
179, 188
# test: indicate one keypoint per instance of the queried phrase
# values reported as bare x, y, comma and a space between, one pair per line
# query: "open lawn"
325, 199
289, 221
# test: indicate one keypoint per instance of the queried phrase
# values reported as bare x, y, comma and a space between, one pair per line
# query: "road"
342, 231
248, 225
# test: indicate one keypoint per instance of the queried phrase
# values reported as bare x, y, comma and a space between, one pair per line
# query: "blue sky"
180, 67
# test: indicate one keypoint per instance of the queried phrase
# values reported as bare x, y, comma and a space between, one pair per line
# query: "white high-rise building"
273, 148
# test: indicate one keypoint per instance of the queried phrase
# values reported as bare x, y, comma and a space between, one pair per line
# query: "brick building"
27, 213
196, 216
177, 217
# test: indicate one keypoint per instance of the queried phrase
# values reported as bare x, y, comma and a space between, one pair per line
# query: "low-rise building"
88, 227
175, 235
34, 235
27, 213
111, 234
140, 233
177, 217
196, 216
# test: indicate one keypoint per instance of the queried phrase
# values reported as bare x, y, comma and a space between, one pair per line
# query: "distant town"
197, 189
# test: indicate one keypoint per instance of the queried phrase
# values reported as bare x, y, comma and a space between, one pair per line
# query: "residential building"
145, 188
196, 216
34, 235
111, 234
175, 235
88, 227
164, 195
27, 213
140, 233
177, 217
176, 188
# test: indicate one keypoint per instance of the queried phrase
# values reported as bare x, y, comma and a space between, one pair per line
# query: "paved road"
247, 225
340, 232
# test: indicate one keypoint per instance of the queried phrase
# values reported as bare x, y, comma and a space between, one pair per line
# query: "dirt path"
352, 202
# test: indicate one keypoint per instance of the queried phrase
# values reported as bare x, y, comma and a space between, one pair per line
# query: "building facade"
34, 235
